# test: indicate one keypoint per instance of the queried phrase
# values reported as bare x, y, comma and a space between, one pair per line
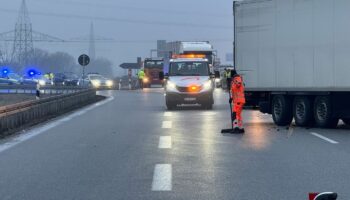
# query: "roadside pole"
84, 60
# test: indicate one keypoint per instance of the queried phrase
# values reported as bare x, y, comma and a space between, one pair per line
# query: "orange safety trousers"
237, 110
238, 99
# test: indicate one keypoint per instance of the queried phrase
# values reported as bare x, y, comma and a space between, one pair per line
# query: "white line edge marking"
22, 137
324, 138
162, 177
167, 124
165, 142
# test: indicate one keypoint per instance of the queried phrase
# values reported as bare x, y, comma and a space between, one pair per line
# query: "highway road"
130, 147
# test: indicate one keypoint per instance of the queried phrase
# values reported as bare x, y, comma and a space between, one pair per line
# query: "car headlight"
207, 85
42, 82
170, 85
96, 83
109, 83
145, 80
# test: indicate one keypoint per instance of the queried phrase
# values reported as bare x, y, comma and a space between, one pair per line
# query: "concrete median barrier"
13, 117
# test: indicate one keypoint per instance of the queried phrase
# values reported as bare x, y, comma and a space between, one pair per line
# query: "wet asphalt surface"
111, 150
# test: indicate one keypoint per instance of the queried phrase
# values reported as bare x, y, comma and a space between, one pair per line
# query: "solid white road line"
167, 124
164, 142
162, 178
324, 138
168, 114
37, 131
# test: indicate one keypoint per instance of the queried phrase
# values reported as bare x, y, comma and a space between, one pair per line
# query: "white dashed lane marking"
167, 124
162, 178
168, 114
324, 138
164, 142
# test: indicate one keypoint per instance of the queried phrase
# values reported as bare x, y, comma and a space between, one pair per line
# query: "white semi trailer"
295, 58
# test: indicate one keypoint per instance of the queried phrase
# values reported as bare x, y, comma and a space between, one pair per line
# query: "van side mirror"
163, 76
217, 74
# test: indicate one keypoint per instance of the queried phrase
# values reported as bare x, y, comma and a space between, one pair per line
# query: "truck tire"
302, 111
282, 110
323, 113
346, 121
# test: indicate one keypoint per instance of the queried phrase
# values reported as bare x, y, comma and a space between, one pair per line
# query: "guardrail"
30, 112
31, 89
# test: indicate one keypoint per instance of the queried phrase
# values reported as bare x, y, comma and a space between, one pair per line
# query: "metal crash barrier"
31, 89
31, 112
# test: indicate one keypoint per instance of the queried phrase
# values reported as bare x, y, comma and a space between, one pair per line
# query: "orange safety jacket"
237, 90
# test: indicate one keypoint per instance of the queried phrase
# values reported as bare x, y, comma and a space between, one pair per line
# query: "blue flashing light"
5, 71
31, 73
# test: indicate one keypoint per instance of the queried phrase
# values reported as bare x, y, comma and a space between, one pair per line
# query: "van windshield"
189, 69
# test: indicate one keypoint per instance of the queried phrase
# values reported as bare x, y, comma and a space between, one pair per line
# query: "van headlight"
208, 85
170, 85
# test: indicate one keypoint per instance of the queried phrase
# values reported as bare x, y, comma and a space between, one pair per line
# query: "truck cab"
189, 81
152, 67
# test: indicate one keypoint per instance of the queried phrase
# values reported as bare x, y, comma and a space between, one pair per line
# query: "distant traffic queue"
34, 77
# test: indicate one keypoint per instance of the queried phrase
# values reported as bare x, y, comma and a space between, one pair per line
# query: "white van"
189, 81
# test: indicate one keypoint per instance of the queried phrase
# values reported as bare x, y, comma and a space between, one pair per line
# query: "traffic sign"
84, 60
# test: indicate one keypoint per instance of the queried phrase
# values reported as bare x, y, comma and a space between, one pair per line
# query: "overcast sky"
136, 24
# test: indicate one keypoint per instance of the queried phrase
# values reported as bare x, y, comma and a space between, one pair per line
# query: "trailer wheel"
346, 121
302, 111
323, 113
282, 110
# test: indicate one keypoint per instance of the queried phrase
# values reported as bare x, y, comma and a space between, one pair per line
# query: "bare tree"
102, 66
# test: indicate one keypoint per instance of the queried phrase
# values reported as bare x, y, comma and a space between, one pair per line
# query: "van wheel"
323, 113
302, 111
207, 106
169, 104
282, 110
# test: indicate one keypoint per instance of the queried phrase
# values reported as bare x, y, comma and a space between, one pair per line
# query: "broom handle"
229, 95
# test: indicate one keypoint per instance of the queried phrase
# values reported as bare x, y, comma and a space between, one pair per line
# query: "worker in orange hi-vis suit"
238, 100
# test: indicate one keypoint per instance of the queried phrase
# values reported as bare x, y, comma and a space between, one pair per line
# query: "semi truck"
152, 67
295, 59
191, 48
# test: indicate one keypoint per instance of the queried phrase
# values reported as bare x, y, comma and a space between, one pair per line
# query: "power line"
143, 9
122, 20
83, 41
